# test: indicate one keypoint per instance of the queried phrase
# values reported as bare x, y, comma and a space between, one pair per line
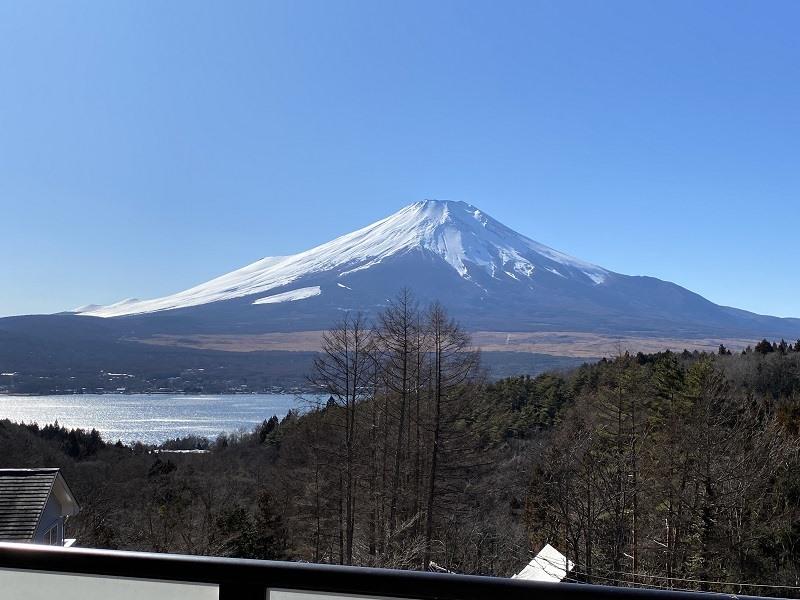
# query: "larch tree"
396, 337
454, 364
344, 370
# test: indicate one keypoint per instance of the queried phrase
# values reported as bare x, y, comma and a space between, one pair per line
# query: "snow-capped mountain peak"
468, 240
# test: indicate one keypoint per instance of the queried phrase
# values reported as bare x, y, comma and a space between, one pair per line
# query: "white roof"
549, 565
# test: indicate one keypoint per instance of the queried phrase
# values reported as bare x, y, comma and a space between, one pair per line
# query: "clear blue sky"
147, 146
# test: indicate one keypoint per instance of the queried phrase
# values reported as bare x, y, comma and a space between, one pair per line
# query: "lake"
149, 418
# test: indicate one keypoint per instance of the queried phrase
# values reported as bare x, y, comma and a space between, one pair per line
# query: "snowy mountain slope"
489, 276
467, 239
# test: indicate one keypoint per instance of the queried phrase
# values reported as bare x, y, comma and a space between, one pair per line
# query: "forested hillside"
664, 470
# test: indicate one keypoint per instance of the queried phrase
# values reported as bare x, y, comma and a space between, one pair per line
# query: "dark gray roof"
23, 495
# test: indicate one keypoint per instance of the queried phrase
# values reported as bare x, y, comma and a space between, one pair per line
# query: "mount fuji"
490, 278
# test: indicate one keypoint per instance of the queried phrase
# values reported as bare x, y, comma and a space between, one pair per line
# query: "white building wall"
50, 515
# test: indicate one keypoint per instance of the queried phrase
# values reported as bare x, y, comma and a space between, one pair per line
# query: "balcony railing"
36, 572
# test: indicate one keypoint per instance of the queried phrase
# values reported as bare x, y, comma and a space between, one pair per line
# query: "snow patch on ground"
298, 294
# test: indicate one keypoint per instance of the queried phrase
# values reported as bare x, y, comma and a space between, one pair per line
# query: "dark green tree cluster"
75, 443
783, 347
522, 404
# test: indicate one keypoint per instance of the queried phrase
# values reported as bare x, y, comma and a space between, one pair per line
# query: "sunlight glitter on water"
150, 418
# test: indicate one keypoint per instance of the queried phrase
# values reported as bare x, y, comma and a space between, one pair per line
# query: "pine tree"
764, 347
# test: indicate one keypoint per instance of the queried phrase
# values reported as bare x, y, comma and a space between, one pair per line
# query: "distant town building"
34, 506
